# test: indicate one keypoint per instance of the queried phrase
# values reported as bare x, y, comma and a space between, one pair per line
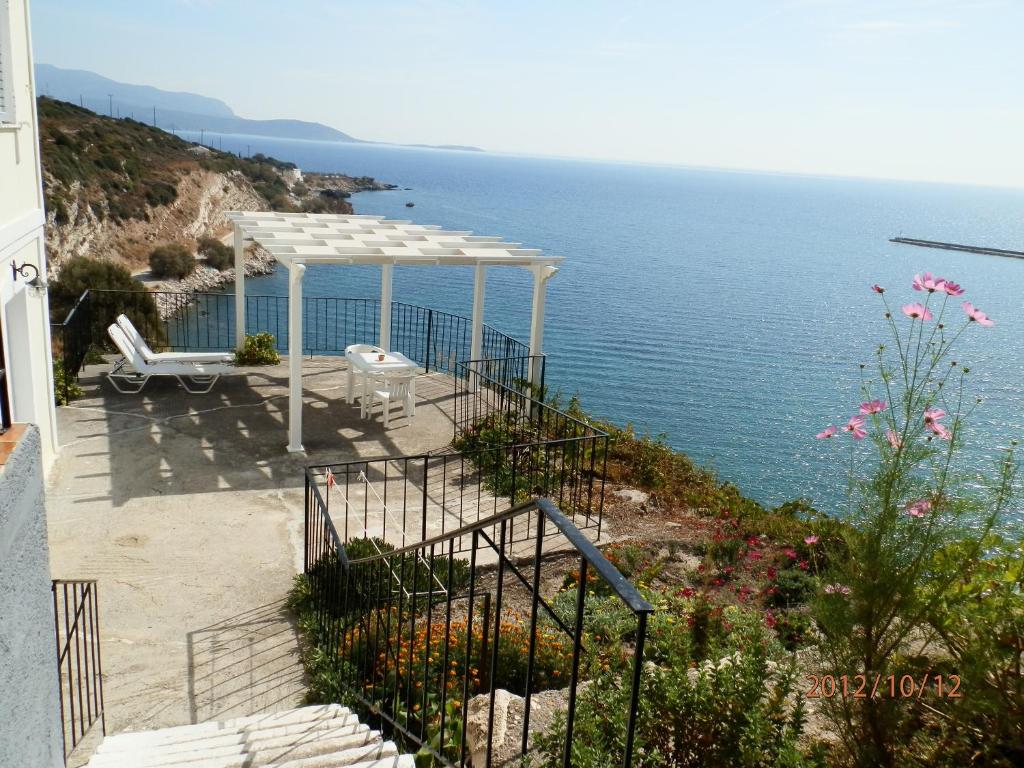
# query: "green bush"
113, 291
161, 193
171, 261
217, 254
792, 587
981, 623
737, 710
258, 349
65, 387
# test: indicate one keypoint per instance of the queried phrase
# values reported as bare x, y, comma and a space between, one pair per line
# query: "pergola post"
541, 275
239, 287
295, 273
477, 330
386, 274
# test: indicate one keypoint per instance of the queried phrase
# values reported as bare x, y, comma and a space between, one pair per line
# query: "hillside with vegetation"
117, 188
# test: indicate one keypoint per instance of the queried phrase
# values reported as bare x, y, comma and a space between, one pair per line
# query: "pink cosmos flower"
917, 311
927, 282
877, 288
940, 429
931, 415
829, 589
894, 440
855, 426
919, 508
810, 540
790, 553
975, 315
875, 406
826, 433
953, 289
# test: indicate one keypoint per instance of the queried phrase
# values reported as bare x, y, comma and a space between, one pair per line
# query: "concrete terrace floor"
189, 512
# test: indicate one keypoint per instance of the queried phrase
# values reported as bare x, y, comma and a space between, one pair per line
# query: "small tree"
217, 254
112, 291
171, 261
883, 585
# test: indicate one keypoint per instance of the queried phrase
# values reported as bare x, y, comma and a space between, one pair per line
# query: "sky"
908, 89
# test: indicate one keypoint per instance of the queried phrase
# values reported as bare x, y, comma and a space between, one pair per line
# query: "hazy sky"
916, 89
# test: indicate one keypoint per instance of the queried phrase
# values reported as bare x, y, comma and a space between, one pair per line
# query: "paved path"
189, 512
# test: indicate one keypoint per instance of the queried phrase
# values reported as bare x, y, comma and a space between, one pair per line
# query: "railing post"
305, 531
426, 354
634, 697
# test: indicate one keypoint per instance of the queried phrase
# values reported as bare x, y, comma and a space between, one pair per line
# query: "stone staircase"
325, 736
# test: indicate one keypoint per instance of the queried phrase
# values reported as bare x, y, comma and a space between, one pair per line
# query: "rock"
508, 722
633, 495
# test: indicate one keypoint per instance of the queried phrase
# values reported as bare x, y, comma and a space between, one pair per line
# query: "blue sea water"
727, 310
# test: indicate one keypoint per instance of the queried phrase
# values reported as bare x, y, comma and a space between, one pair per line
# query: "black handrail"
385, 621
79, 659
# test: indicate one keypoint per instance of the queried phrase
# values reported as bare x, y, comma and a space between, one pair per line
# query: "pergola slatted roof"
298, 240
307, 238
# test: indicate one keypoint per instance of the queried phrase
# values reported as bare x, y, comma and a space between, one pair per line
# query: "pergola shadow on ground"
189, 513
165, 442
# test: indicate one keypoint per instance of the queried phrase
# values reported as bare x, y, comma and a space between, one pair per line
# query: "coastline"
334, 187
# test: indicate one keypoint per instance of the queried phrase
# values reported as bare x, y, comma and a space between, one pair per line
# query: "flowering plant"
908, 505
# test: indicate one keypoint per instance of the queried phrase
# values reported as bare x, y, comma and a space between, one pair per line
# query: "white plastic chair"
395, 389
157, 357
132, 372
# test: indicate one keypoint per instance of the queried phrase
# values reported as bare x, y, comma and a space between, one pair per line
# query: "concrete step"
380, 756
258, 751
342, 724
131, 740
309, 737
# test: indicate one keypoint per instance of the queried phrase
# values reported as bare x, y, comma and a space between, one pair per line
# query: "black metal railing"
421, 639
79, 660
71, 340
206, 321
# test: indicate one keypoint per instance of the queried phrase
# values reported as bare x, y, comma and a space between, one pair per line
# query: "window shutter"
6, 86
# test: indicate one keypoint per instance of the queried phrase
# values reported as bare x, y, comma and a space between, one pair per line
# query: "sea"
728, 312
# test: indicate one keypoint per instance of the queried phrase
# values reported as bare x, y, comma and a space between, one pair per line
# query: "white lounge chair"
157, 357
396, 389
132, 372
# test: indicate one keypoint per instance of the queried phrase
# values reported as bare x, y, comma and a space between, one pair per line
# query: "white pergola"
298, 240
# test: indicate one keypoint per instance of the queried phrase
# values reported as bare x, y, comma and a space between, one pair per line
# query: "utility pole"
202, 135
154, 117
81, 101
111, 97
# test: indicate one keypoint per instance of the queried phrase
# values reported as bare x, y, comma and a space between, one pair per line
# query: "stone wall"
30, 732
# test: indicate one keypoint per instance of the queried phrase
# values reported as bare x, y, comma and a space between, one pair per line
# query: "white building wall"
23, 314
30, 729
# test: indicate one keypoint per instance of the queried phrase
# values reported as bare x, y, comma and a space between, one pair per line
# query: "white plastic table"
368, 364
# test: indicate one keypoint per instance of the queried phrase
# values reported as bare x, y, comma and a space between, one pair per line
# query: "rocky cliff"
117, 188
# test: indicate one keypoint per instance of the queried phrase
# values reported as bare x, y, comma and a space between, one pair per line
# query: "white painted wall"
30, 729
24, 315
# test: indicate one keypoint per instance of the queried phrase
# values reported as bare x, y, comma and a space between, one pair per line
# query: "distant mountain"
178, 110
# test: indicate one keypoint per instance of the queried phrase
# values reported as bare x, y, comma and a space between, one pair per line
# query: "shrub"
65, 386
171, 261
161, 193
731, 711
258, 349
217, 254
114, 292
981, 623
792, 587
